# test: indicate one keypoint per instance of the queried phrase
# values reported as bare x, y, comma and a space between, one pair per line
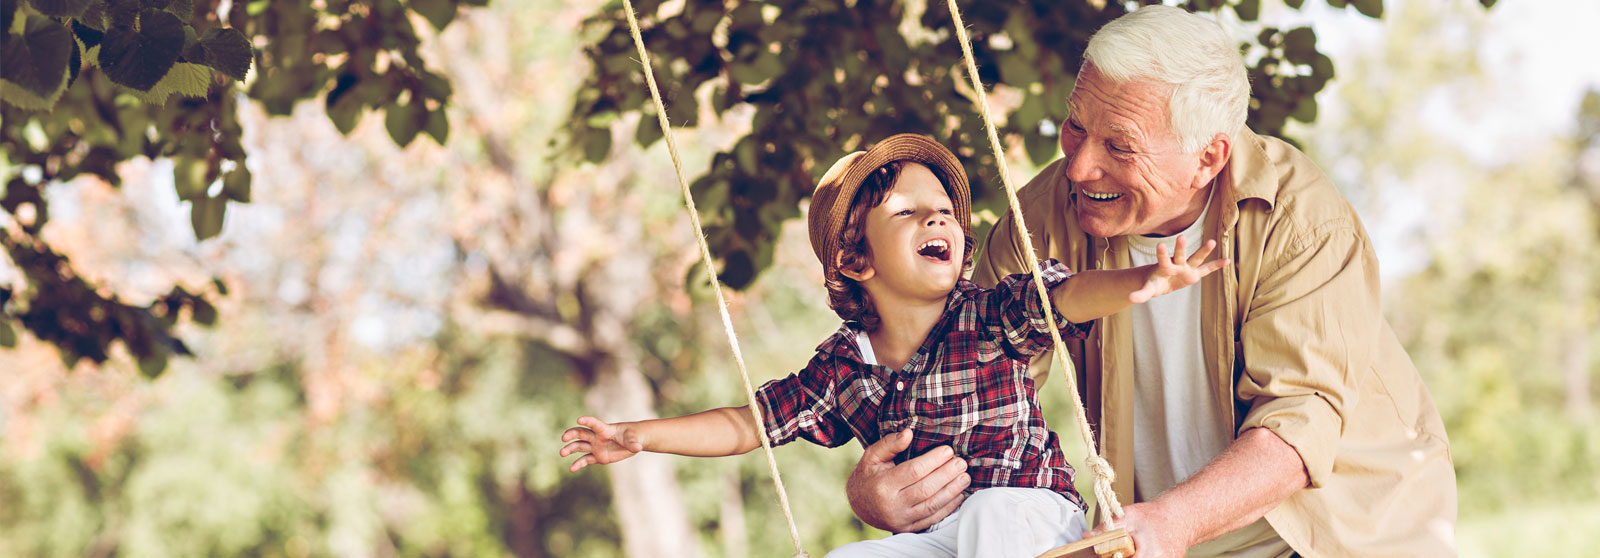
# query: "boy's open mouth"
937, 250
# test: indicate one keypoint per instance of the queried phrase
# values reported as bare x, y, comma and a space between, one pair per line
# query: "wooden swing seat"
1111, 544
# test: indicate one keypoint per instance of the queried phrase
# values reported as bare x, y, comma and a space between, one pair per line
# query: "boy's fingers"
1180, 249
1161, 252
1199, 256
575, 447
1213, 266
582, 462
600, 427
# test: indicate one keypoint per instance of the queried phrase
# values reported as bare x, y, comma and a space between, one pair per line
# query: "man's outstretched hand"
908, 497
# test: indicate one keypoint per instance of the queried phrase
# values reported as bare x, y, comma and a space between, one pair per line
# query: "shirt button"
900, 385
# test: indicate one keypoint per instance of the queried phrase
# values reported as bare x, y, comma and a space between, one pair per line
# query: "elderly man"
1271, 410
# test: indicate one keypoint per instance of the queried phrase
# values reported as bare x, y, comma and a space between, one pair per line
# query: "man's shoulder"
1299, 194
1042, 187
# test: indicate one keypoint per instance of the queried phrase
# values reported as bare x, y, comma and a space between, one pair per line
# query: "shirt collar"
1249, 173
843, 341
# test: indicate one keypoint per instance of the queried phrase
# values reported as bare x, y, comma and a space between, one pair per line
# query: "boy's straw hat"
830, 202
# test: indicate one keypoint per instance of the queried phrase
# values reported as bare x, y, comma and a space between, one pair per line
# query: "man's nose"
1082, 165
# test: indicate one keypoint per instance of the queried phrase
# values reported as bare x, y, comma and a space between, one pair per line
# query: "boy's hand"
1172, 273
604, 443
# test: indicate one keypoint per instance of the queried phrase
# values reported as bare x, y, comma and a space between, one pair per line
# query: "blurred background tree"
88, 84
407, 330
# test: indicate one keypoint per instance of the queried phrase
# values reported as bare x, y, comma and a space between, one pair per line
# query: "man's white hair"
1185, 51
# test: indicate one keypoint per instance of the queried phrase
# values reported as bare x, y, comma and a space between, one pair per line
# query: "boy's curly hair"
846, 297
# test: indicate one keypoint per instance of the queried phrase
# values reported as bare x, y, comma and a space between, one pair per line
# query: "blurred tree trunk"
1576, 289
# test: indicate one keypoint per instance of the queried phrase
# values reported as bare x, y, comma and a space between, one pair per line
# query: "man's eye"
1071, 125
1118, 149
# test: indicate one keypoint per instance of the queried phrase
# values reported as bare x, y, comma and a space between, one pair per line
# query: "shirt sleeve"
1013, 309
805, 405
1307, 338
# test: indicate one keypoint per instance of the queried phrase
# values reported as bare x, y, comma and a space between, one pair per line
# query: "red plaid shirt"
967, 386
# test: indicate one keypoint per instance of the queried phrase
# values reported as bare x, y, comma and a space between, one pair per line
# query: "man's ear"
860, 275
1213, 158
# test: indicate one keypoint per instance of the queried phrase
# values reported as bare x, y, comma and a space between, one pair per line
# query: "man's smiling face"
1129, 173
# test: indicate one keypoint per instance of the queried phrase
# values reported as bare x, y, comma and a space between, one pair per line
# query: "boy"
923, 353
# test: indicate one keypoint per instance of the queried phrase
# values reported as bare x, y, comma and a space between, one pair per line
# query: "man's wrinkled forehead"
1114, 127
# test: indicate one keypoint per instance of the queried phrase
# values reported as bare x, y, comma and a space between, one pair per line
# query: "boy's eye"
946, 212
903, 212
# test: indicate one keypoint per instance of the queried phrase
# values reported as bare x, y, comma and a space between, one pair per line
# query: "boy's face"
916, 245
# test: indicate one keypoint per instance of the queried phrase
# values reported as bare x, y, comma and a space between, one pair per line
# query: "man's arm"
1251, 477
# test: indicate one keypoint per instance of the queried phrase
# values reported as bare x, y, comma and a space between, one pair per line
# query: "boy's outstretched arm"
1095, 293
713, 433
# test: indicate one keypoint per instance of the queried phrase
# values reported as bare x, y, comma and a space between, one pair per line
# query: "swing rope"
711, 273
1103, 475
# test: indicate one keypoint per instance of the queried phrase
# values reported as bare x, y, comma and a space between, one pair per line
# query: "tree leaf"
438, 126
1248, 10
1300, 45
189, 178
8, 336
189, 80
60, 8
36, 60
403, 122
87, 34
206, 214
182, 9
236, 185
1370, 8
596, 144
1041, 148
438, 12
345, 114
139, 59
202, 312
228, 51
649, 130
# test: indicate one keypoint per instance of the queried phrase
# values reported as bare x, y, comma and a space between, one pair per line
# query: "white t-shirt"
1177, 426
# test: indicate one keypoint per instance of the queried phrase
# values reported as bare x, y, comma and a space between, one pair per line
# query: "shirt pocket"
950, 399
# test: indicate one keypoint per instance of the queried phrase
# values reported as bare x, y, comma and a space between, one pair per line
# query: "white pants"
992, 523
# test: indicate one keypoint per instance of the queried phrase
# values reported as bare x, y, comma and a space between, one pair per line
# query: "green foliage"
824, 78
87, 84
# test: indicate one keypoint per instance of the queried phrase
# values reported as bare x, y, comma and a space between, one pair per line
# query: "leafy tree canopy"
828, 77
88, 84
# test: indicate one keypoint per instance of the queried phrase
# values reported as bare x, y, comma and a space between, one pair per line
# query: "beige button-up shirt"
1294, 341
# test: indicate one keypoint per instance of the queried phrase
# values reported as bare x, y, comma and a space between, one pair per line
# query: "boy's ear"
863, 273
